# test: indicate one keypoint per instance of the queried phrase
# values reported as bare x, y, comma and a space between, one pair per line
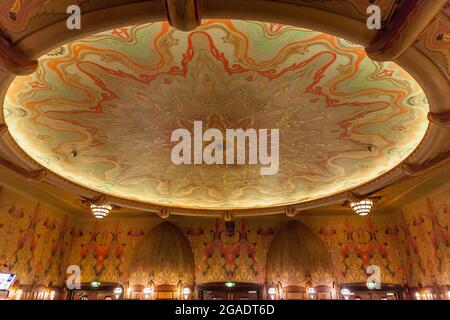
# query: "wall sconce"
118, 292
148, 292
346, 293
311, 293
272, 292
186, 293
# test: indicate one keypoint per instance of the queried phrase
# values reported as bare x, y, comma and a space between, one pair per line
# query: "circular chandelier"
363, 207
101, 211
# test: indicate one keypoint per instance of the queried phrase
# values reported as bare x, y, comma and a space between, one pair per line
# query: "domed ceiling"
114, 98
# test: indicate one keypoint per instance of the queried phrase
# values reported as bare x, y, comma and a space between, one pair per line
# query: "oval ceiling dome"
114, 99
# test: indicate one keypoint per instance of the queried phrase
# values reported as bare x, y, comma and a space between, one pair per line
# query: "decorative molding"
37, 176
418, 169
302, 16
102, 199
227, 216
440, 119
165, 212
3, 129
12, 60
406, 25
354, 197
183, 14
290, 212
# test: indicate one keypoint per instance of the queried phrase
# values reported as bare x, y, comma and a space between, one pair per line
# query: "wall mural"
35, 239
423, 233
356, 243
42, 241
240, 254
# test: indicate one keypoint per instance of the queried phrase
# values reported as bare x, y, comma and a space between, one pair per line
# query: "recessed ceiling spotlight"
363, 207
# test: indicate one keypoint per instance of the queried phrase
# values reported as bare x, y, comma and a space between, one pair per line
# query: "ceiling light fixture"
363, 207
101, 211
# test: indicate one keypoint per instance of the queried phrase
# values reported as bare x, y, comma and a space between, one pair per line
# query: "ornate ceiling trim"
183, 14
14, 61
422, 69
427, 166
408, 22
441, 119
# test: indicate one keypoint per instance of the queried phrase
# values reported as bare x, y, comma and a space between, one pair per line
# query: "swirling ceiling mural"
115, 97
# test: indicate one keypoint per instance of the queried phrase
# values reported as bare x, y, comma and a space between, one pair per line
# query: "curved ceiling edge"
409, 61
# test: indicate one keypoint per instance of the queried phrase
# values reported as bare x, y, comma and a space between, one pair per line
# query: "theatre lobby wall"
40, 240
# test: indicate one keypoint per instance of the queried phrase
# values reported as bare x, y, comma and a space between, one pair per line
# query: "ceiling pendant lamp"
100, 211
363, 207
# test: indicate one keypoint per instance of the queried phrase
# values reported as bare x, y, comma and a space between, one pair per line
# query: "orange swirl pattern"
115, 98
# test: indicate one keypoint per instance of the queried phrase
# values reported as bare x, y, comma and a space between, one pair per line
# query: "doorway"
236, 291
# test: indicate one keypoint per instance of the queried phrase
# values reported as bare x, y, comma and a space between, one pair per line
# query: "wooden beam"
12, 60
406, 25
183, 14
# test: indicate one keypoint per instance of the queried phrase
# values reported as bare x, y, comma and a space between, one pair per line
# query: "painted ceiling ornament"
230, 227
290, 211
164, 213
227, 216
